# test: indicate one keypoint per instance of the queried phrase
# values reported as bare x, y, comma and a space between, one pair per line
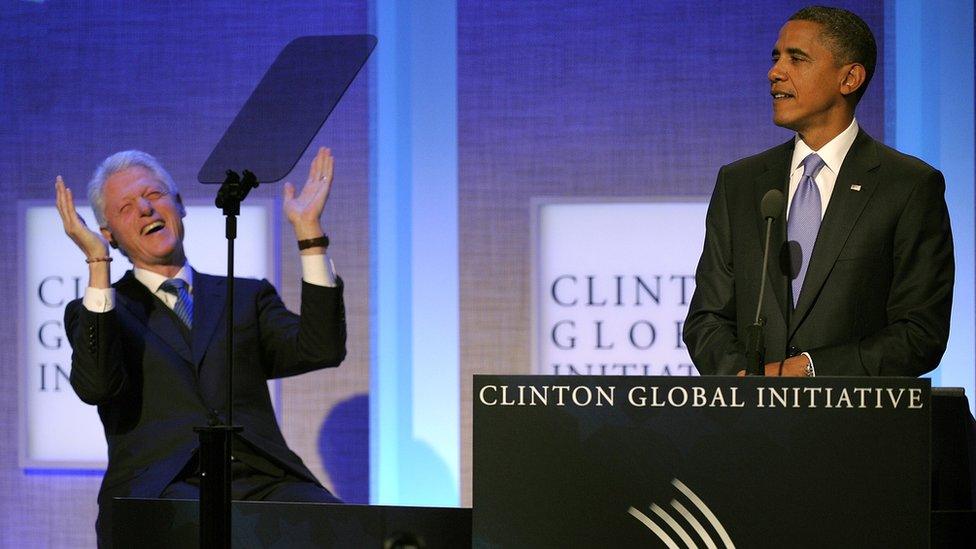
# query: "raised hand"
305, 210
91, 243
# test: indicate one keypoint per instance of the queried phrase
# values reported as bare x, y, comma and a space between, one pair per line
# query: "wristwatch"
810, 371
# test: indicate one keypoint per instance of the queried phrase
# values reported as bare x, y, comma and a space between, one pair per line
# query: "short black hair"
847, 37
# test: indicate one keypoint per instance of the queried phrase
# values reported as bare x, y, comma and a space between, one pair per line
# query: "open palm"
304, 209
91, 243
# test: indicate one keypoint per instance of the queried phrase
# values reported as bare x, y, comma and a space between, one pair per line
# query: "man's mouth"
152, 227
777, 95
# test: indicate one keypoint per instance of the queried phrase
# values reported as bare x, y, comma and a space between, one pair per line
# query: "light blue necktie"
184, 303
804, 222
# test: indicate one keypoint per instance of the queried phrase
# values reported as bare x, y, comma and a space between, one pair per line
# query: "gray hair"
116, 163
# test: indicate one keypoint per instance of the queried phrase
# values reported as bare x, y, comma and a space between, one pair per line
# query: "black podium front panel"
565, 461
167, 524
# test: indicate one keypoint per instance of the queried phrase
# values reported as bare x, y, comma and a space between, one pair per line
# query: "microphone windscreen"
772, 204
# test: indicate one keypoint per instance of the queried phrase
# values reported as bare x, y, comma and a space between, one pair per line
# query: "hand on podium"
795, 366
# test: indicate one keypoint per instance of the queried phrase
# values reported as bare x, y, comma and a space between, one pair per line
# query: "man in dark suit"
864, 286
150, 350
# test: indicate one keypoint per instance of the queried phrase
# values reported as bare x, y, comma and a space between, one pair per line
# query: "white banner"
611, 285
57, 429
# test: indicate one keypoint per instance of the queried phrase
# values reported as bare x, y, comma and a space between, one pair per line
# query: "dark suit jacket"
878, 290
153, 381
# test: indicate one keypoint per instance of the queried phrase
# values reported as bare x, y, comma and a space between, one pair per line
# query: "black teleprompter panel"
564, 461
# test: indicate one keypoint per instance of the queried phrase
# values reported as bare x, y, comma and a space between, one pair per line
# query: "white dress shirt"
833, 154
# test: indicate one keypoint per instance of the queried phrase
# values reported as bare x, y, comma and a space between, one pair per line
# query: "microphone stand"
756, 339
216, 438
771, 206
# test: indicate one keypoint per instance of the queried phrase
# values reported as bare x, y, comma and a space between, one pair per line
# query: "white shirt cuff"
99, 300
319, 270
812, 369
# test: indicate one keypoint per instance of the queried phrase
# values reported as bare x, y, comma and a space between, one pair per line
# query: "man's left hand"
304, 211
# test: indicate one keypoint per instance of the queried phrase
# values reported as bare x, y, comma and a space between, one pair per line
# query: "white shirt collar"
832, 153
152, 280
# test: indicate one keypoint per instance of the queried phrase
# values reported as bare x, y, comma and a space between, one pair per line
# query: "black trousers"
247, 484
250, 484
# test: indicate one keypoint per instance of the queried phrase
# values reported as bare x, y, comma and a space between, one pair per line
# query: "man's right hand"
795, 366
90, 242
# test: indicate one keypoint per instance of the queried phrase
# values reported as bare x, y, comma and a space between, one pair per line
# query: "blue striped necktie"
804, 222
184, 303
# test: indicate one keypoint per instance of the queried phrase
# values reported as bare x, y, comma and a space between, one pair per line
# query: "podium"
164, 524
565, 461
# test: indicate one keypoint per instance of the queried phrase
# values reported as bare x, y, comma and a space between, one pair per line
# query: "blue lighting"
414, 392
932, 96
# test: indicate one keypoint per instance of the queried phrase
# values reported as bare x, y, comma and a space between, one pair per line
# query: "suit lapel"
209, 294
776, 176
153, 313
137, 299
843, 210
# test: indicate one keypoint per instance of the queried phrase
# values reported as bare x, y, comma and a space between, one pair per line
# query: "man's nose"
145, 207
775, 74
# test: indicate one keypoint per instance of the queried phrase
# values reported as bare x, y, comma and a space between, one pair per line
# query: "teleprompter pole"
216, 439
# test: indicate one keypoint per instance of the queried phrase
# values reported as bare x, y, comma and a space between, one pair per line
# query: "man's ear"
853, 79
108, 236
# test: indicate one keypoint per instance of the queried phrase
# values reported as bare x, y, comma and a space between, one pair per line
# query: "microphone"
770, 207
772, 204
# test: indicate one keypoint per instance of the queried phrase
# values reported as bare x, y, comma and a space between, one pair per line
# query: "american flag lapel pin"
855, 187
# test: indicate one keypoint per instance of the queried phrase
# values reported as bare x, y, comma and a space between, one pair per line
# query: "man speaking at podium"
861, 268
150, 350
